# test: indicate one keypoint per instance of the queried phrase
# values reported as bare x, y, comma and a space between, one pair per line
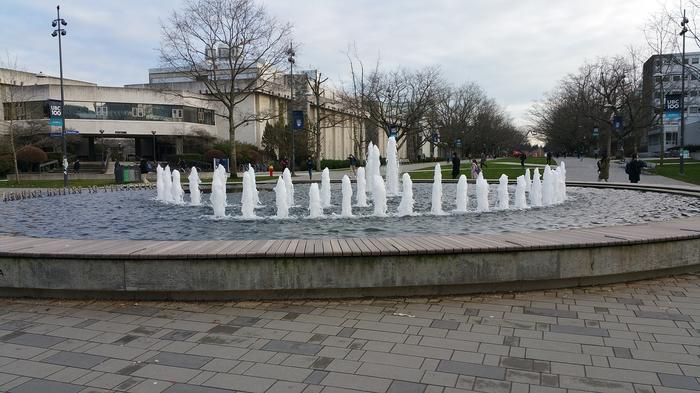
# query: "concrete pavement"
626, 338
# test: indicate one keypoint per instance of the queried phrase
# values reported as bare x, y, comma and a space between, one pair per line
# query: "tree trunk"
318, 137
232, 145
14, 151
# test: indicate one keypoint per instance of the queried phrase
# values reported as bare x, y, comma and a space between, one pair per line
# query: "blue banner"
56, 114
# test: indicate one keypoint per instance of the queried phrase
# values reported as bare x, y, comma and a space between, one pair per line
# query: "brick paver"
635, 337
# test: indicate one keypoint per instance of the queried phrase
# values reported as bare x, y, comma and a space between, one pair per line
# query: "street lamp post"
58, 22
290, 58
154, 145
684, 30
102, 154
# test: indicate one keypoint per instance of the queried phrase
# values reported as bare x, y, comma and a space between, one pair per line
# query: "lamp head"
54, 34
53, 24
63, 32
63, 22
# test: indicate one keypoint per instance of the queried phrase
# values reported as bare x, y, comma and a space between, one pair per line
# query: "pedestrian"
523, 157
455, 165
634, 168
603, 168
271, 170
283, 163
549, 158
76, 166
353, 163
482, 164
309, 165
476, 169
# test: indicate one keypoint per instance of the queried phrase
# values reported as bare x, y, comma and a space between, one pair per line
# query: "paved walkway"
641, 337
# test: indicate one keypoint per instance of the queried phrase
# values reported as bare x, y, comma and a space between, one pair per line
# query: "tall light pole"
684, 30
154, 145
58, 22
102, 155
290, 58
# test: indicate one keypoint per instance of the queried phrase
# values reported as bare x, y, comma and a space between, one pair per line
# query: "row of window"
676, 78
669, 61
111, 111
671, 139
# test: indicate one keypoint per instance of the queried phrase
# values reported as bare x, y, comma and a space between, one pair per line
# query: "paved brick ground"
640, 337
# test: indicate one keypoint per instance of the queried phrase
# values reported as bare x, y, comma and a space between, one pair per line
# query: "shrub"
6, 165
335, 164
211, 154
31, 155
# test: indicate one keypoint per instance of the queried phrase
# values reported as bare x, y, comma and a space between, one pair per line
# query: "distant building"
662, 76
155, 120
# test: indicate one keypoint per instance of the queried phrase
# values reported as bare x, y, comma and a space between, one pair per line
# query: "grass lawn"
489, 172
692, 171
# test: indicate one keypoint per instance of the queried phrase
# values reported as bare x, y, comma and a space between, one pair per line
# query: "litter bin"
119, 174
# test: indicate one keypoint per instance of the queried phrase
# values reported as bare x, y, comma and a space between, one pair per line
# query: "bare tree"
251, 46
592, 97
18, 111
326, 115
353, 98
402, 100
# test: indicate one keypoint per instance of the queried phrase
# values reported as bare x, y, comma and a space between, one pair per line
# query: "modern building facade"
662, 77
157, 119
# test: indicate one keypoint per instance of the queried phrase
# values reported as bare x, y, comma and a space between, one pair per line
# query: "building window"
137, 111
177, 114
676, 78
671, 138
666, 78
696, 60
101, 111
200, 114
693, 93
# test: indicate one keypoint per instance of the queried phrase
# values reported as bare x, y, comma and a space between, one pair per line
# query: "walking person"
482, 164
523, 157
634, 169
455, 165
603, 168
76, 166
353, 164
549, 158
310, 166
476, 169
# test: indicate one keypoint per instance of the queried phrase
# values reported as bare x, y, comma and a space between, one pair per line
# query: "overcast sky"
516, 50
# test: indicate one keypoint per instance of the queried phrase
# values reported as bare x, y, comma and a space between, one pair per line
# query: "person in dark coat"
523, 157
310, 166
634, 169
603, 168
76, 166
455, 165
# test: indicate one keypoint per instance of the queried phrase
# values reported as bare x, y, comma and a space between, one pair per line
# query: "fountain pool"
137, 215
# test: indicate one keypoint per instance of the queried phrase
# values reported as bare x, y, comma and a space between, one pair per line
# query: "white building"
662, 76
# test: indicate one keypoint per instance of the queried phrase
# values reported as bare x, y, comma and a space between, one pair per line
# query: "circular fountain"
297, 241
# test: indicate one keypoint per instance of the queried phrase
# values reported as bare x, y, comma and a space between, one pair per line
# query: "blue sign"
458, 143
595, 132
673, 103
617, 122
56, 114
393, 131
436, 137
298, 119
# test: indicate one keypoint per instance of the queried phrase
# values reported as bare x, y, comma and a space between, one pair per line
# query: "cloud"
516, 50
